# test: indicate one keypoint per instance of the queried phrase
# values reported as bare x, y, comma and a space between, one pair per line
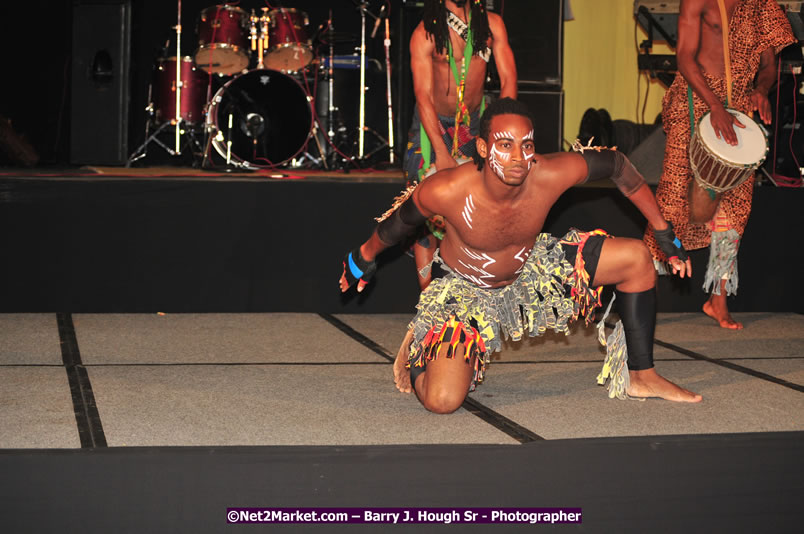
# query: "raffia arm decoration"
578, 147
403, 196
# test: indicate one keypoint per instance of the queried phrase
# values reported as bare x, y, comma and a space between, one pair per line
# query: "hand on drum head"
760, 103
723, 123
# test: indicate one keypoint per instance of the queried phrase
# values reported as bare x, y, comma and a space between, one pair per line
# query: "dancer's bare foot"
401, 372
716, 308
648, 383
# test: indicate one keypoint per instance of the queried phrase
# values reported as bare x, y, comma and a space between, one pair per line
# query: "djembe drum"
720, 166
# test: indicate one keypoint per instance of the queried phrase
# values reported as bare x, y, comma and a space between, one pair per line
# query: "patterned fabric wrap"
466, 141
535, 302
755, 26
723, 262
414, 161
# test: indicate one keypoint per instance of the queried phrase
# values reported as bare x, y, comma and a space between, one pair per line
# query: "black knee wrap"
638, 313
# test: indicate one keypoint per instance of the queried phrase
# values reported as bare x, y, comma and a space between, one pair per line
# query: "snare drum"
289, 44
192, 91
259, 119
222, 41
720, 166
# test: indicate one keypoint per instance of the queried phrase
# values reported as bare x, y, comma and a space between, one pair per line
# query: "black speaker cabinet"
535, 33
547, 109
100, 82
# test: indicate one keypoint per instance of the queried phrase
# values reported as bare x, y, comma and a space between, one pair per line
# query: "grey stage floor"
124, 380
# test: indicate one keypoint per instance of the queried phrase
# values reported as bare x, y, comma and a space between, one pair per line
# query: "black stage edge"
198, 245
712, 483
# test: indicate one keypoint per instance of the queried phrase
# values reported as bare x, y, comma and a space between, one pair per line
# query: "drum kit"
244, 99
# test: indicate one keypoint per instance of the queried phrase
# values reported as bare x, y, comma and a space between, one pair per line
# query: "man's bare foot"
716, 308
401, 372
648, 383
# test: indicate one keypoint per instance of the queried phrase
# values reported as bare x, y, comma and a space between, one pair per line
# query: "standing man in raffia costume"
756, 31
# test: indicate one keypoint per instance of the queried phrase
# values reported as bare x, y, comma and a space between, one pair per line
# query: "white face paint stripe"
467, 221
471, 202
529, 136
495, 165
504, 135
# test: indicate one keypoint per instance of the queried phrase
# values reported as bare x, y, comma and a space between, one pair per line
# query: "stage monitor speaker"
535, 33
547, 109
100, 82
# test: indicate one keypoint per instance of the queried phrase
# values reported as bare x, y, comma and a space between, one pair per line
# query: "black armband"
613, 164
401, 223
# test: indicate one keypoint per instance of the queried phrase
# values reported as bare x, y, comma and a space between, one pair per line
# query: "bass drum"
260, 119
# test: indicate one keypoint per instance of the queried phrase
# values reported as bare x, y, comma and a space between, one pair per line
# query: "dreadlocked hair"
503, 106
435, 24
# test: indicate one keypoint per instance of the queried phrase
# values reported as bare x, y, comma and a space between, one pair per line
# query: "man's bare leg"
401, 372
702, 206
443, 387
423, 252
717, 309
627, 263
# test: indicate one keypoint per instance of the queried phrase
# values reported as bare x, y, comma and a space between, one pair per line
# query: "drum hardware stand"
191, 140
259, 44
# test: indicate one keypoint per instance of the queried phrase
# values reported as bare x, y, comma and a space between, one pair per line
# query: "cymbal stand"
177, 122
387, 43
331, 81
361, 126
259, 44
178, 77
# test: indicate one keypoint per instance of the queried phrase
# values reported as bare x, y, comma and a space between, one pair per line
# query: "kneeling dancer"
497, 274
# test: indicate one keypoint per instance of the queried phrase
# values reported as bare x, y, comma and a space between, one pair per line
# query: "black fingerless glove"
669, 243
356, 268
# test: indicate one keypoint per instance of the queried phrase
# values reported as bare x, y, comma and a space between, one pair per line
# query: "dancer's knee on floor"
443, 400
